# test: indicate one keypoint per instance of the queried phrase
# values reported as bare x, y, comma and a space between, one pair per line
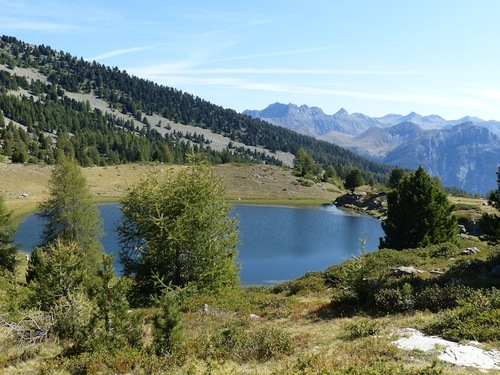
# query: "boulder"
403, 271
470, 250
449, 351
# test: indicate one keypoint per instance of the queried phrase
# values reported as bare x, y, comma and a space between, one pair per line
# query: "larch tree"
70, 215
178, 230
303, 163
419, 214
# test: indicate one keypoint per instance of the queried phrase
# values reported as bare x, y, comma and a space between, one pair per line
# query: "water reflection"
277, 243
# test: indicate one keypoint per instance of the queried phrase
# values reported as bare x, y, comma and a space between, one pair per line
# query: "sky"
375, 57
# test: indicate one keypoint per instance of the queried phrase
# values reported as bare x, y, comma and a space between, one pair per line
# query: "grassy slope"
320, 343
250, 183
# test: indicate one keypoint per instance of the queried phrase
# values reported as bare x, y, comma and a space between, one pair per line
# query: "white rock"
469, 356
449, 351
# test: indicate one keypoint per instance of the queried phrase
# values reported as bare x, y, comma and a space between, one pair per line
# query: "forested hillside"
53, 120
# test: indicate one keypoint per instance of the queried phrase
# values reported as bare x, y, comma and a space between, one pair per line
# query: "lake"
277, 243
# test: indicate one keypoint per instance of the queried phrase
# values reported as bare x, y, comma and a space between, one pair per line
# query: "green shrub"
168, 333
311, 282
262, 344
395, 300
435, 297
361, 327
270, 343
477, 318
344, 303
444, 250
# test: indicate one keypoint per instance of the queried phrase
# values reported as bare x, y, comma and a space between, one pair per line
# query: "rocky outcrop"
470, 355
375, 204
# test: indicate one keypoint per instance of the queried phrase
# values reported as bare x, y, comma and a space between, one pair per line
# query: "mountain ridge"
341, 120
464, 153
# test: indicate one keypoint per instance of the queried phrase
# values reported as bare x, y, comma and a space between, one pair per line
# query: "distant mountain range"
464, 153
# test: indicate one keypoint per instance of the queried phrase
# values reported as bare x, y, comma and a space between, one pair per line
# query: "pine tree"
419, 214
490, 223
396, 175
7, 230
354, 179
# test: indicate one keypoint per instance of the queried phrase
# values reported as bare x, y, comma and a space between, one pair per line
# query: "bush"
395, 300
262, 344
270, 343
437, 297
168, 333
475, 318
311, 282
345, 303
362, 327
444, 250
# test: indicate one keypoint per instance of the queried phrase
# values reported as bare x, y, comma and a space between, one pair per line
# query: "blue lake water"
277, 243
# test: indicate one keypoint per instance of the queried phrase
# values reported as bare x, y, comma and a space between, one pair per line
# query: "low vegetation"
341, 320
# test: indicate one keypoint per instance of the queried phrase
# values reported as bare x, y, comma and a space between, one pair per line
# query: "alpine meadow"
74, 134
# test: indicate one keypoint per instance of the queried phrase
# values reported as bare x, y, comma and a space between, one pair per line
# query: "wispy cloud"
272, 54
485, 93
396, 96
187, 69
118, 52
37, 26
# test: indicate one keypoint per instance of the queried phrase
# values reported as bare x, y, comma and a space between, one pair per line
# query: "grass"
260, 330
246, 183
285, 329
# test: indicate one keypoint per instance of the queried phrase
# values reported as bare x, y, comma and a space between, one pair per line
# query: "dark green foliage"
106, 139
494, 195
354, 179
7, 230
477, 317
396, 176
419, 214
361, 327
118, 326
490, 224
330, 173
391, 300
367, 283
304, 165
60, 273
168, 333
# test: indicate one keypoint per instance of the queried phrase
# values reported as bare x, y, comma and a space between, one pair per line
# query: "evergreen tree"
330, 173
70, 216
303, 163
7, 230
61, 273
179, 230
419, 214
490, 223
117, 326
354, 179
396, 175
494, 195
